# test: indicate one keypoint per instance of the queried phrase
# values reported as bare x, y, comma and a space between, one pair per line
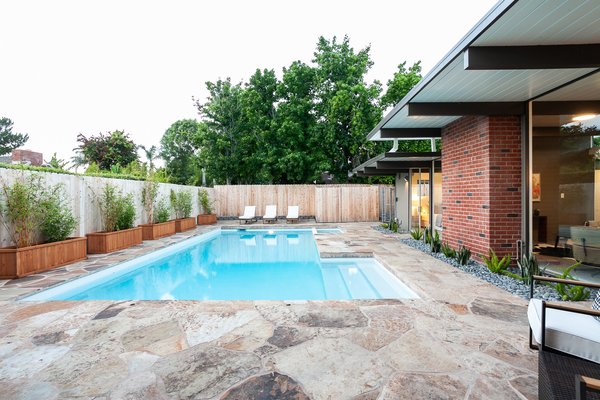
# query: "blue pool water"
236, 265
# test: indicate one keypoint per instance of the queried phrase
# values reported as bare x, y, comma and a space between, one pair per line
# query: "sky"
77, 66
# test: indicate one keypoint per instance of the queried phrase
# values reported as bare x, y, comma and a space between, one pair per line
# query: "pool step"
335, 288
346, 280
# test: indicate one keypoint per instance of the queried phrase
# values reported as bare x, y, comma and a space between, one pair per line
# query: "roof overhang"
392, 163
521, 50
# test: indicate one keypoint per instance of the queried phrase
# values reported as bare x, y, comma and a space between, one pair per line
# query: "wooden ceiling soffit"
478, 58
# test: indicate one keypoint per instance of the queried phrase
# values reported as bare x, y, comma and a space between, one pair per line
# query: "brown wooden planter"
207, 219
156, 231
185, 224
15, 263
106, 242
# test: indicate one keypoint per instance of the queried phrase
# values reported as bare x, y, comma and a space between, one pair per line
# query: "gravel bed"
481, 271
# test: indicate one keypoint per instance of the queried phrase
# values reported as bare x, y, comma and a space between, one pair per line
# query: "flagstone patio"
463, 339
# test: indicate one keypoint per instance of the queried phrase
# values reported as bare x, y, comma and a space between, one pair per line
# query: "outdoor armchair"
568, 340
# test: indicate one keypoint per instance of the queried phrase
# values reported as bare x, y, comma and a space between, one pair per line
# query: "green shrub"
416, 234
571, 292
21, 209
163, 213
384, 226
204, 202
394, 225
117, 211
149, 195
181, 202
463, 255
32, 211
496, 265
126, 212
59, 222
448, 251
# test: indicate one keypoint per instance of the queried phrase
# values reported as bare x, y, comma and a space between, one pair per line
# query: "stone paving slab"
463, 339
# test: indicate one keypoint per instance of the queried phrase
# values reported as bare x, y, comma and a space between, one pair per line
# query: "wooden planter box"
15, 263
156, 231
106, 242
207, 219
185, 224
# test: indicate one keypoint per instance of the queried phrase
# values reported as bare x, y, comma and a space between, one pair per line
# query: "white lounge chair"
270, 214
292, 214
249, 214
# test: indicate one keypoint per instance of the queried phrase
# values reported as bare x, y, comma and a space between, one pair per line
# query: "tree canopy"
179, 145
10, 140
108, 151
313, 120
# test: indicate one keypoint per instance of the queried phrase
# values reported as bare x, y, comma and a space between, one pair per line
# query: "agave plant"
416, 234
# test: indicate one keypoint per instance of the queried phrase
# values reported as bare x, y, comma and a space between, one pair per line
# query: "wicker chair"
561, 374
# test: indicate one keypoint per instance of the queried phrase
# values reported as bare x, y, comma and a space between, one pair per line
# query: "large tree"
113, 149
346, 106
223, 117
257, 138
295, 150
10, 140
180, 144
403, 80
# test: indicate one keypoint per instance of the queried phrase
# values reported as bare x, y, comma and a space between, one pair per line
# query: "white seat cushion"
569, 332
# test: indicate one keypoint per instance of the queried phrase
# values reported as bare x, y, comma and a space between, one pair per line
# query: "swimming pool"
236, 265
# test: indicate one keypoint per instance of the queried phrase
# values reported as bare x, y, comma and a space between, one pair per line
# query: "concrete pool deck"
463, 339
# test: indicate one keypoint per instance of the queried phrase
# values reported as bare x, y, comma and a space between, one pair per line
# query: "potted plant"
39, 223
206, 207
181, 202
117, 212
158, 224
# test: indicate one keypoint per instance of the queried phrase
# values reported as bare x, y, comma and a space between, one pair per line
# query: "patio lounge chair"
249, 215
568, 340
292, 214
270, 214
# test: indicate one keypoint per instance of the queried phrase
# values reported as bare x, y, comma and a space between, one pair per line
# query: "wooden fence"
327, 203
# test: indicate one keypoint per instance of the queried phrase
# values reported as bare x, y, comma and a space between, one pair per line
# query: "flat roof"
554, 27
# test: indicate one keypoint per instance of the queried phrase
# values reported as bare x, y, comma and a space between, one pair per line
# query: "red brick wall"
481, 188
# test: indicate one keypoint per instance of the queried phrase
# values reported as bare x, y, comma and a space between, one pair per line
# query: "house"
515, 104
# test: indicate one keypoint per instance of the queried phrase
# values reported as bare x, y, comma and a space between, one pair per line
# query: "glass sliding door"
419, 198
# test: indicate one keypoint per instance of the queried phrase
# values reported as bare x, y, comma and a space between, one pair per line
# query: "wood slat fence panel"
327, 203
